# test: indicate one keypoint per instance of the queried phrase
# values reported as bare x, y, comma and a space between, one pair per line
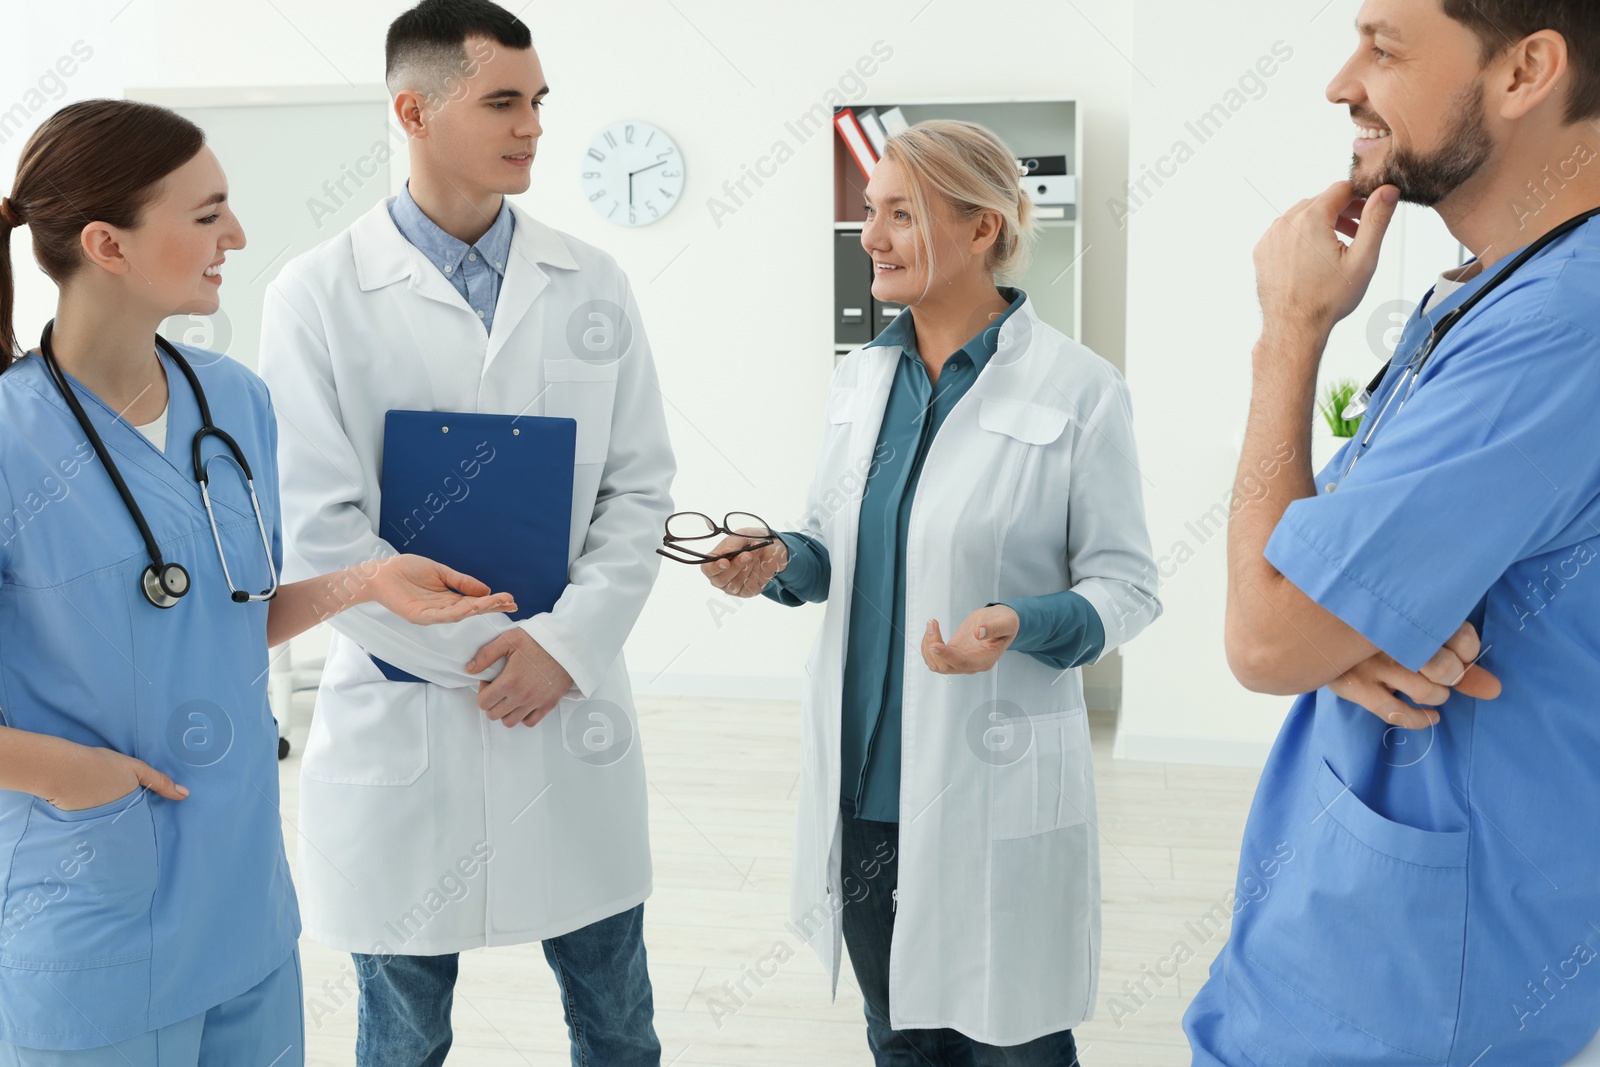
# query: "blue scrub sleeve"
805, 579
1495, 459
1060, 630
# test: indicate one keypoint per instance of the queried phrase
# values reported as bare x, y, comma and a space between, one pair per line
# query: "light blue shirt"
1060, 628
476, 270
125, 918
1425, 896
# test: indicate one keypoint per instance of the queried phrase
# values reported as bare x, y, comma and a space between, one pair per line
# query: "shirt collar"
444, 250
902, 332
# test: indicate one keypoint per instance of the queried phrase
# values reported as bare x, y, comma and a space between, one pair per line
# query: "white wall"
1193, 317
739, 315
50, 55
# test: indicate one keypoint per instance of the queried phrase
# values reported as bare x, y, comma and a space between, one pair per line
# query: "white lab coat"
1031, 486
426, 828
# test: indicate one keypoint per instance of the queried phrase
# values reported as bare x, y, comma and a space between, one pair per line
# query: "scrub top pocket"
1390, 966
80, 888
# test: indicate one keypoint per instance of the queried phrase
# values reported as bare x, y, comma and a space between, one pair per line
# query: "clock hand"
641, 170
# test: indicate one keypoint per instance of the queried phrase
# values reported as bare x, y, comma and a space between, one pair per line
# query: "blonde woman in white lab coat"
946, 823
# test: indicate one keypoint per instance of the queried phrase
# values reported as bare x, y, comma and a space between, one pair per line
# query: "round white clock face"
632, 173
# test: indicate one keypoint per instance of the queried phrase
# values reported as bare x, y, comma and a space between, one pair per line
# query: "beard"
1429, 179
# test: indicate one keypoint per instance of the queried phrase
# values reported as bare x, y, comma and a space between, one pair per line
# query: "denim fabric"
870, 876
605, 996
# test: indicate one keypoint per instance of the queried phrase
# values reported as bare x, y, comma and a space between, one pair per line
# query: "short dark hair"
1500, 24
434, 34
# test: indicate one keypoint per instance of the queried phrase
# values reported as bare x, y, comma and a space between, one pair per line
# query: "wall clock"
632, 173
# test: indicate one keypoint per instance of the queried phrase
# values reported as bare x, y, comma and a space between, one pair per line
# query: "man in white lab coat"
495, 793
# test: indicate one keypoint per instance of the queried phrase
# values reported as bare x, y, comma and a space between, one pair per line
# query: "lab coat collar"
1024, 368
383, 256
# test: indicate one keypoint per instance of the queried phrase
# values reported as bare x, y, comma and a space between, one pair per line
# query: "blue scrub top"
125, 918
1432, 897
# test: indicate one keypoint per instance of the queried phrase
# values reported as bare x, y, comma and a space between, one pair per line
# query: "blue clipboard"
490, 495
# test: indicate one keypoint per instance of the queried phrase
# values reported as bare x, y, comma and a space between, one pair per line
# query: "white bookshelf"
1029, 128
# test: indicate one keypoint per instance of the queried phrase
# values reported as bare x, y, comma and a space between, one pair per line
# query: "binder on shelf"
489, 495
1059, 189
883, 314
894, 121
1043, 166
872, 125
852, 290
855, 140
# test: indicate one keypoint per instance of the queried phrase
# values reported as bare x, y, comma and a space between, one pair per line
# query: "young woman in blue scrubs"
146, 912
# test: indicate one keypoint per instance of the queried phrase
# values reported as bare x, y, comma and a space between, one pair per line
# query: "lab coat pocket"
1390, 886
578, 389
81, 886
378, 736
842, 404
1022, 420
1042, 785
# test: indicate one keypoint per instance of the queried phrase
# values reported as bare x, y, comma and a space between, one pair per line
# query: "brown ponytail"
95, 161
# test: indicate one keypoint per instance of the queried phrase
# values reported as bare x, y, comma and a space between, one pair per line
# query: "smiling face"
1415, 90
482, 118
174, 256
898, 241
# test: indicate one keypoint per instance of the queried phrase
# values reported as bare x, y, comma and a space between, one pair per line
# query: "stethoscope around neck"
162, 583
1408, 379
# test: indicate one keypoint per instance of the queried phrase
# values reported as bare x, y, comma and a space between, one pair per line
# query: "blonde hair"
973, 171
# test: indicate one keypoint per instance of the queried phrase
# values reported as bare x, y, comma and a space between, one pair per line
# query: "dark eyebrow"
890, 200
1379, 29
513, 94
214, 198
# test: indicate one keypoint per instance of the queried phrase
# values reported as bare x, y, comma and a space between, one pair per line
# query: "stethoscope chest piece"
164, 584
164, 588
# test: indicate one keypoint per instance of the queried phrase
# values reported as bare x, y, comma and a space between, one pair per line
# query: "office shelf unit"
1029, 128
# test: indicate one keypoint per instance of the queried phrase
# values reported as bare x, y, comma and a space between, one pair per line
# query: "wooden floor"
722, 776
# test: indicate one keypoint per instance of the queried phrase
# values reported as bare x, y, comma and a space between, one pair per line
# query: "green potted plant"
1330, 434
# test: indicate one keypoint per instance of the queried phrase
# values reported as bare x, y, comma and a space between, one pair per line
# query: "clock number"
611, 140
627, 133
632, 217
597, 196
672, 174
653, 212
597, 156
593, 174
664, 155
664, 193
652, 137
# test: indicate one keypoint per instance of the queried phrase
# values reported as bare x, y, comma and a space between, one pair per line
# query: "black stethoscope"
1408, 379
163, 583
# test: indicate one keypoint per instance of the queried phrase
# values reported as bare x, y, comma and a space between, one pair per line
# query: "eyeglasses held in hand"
690, 536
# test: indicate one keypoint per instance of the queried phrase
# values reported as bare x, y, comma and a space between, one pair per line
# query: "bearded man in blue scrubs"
1443, 906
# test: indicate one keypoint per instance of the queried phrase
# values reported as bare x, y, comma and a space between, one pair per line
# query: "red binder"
855, 139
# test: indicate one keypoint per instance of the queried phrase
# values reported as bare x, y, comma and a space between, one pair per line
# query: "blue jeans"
871, 864
404, 1018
